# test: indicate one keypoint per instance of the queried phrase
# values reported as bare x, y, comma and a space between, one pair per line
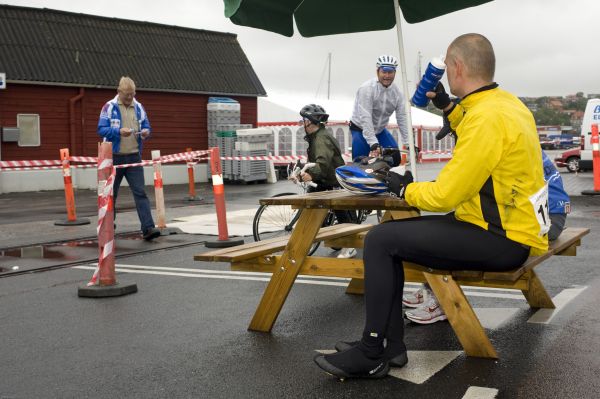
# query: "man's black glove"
397, 183
445, 130
441, 99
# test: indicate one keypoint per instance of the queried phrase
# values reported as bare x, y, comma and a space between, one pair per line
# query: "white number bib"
539, 200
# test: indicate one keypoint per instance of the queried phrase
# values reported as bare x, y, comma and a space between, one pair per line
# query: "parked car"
569, 159
549, 144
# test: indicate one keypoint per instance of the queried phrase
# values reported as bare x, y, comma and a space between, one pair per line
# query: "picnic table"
286, 258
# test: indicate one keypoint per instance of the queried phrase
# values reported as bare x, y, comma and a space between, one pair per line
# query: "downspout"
72, 130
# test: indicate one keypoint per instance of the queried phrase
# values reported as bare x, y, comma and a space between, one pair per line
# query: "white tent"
286, 108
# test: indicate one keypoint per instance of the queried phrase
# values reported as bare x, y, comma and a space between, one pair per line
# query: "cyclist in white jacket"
376, 100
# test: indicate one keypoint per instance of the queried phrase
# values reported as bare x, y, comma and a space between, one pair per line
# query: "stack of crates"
223, 119
226, 142
251, 143
221, 111
225, 138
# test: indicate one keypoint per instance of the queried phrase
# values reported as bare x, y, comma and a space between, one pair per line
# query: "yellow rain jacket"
495, 178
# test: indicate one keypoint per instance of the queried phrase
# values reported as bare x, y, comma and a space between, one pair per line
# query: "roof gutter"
208, 93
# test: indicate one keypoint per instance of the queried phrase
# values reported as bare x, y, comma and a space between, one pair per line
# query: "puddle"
58, 250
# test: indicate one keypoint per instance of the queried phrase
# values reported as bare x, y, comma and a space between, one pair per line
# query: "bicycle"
279, 220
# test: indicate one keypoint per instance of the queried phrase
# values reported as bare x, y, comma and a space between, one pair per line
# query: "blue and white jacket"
558, 199
109, 124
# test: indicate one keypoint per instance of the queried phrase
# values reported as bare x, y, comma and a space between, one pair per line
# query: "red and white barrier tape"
52, 164
32, 164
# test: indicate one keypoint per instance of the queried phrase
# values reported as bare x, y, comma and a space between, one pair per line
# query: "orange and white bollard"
158, 190
219, 192
104, 282
69, 196
595, 141
191, 182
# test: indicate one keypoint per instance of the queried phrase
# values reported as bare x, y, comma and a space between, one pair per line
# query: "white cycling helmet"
387, 62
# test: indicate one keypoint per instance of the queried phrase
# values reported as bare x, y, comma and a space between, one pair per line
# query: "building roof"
47, 46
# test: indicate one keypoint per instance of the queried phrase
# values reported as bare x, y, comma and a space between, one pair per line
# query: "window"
29, 126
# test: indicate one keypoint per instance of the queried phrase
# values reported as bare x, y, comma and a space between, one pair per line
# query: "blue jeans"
135, 178
361, 148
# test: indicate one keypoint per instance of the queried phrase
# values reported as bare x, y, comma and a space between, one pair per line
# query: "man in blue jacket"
123, 122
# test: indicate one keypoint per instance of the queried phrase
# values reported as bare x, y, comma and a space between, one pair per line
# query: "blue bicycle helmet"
366, 177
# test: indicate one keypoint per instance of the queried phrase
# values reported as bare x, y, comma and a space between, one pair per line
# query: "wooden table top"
340, 199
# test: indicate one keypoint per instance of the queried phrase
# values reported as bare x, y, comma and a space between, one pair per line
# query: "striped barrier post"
104, 282
69, 196
595, 141
191, 181
158, 190
219, 192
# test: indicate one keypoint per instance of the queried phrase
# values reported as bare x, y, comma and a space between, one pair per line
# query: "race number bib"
539, 200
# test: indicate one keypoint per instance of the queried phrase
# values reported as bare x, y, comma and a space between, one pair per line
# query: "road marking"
261, 276
492, 318
422, 365
480, 393
544, 316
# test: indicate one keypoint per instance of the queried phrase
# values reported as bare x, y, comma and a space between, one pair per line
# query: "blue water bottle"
431, 77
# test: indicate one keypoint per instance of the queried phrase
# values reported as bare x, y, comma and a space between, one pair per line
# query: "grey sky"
543, 47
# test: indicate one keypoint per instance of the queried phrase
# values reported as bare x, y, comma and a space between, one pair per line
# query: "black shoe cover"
353, 363
396, 358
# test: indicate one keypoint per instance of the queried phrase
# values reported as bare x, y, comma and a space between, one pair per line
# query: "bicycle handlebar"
297, 171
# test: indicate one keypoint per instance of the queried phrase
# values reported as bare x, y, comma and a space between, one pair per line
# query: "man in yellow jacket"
495, 187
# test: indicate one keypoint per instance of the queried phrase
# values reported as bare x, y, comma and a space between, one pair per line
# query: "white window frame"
39, 140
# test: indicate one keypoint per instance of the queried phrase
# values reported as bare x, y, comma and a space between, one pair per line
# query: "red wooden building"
62, 67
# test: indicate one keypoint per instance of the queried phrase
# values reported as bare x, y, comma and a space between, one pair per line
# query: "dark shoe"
395, 359
151, 233
353, 363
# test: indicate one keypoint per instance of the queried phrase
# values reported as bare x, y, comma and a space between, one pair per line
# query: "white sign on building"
2, 80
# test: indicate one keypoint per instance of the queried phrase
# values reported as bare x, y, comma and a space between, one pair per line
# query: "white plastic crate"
223, 107
245, 146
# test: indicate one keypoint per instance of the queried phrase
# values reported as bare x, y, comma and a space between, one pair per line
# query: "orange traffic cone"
69, 196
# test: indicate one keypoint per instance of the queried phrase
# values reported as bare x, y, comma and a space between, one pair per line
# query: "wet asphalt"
184, 333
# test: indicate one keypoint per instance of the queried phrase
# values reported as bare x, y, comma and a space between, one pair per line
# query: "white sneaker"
347, 253
429, 313
417, 298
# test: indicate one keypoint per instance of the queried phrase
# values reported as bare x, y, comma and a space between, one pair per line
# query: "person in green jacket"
324, 151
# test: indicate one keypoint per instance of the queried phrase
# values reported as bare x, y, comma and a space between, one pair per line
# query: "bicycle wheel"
278, 221
274, 220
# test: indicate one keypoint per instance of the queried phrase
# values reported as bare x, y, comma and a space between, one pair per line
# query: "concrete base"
590, 192
103, 291
193, 198
167, 231
224, 243
76, 222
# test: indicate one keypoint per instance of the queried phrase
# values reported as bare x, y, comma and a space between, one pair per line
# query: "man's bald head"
476, 53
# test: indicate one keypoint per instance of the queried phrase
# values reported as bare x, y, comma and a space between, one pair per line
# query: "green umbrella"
328, 17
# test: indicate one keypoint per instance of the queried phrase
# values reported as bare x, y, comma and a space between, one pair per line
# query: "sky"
543, 47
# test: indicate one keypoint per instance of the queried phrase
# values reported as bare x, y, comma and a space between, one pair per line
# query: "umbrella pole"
411, 140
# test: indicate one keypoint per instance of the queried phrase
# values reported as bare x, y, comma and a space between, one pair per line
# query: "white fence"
288, 139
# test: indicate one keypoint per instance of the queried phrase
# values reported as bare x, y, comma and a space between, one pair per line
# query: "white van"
590, 117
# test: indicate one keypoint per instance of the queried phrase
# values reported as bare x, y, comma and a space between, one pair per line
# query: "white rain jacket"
373, 106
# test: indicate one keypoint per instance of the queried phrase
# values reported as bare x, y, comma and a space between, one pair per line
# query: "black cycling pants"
439, 242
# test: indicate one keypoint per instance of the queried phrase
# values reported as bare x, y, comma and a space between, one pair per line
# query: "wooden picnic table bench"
266, 256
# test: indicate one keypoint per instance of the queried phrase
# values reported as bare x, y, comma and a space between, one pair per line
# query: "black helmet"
314, 113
